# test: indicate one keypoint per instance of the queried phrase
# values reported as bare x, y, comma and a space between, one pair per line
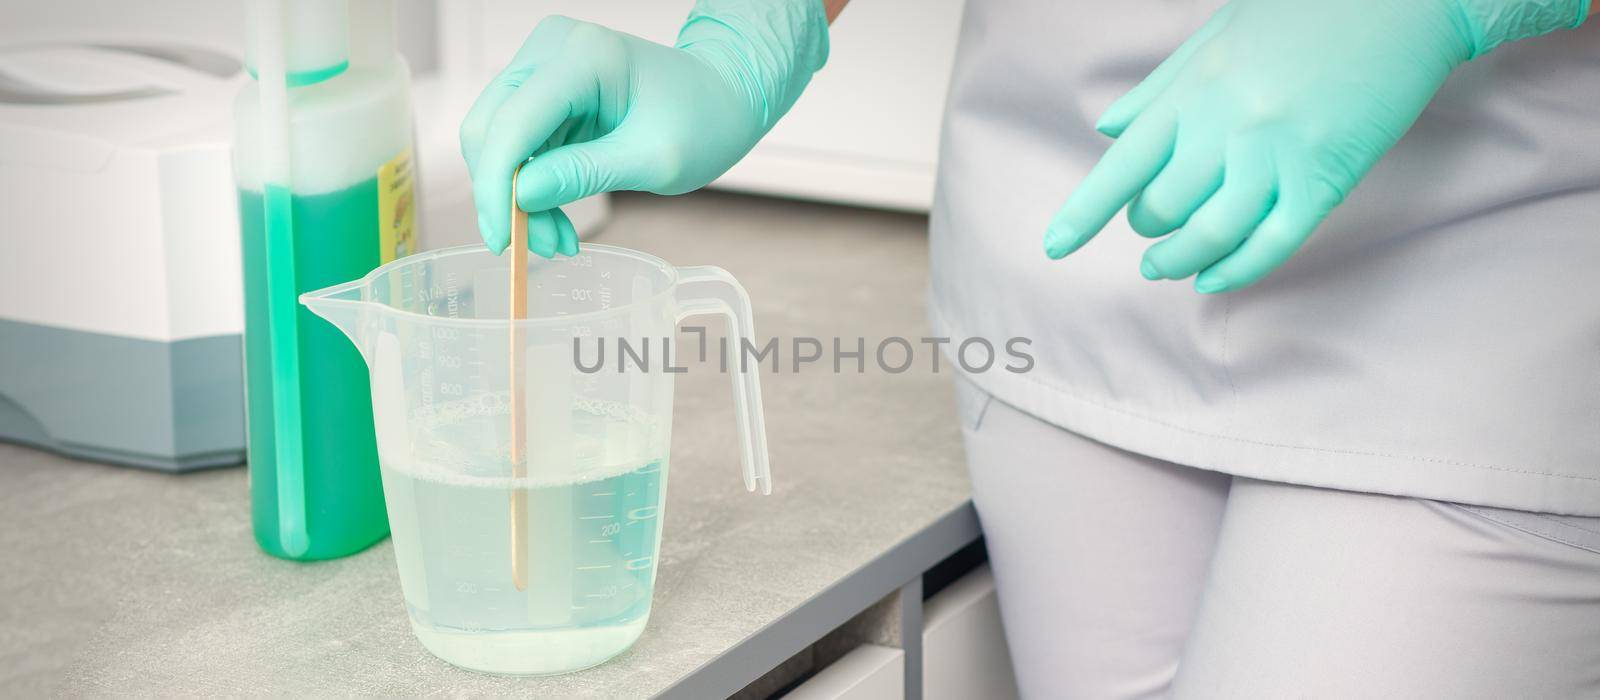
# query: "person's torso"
1446, 311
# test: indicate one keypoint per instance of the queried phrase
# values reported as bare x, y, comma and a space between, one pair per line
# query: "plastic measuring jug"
589, 494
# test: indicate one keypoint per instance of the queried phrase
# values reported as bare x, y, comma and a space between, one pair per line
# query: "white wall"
866, 131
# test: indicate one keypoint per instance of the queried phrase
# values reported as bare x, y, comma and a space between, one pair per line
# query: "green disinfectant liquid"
336, 238
323, 166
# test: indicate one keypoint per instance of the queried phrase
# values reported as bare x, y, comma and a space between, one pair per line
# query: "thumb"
569, 173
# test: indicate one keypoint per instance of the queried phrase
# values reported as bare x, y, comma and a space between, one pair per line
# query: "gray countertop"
120, 581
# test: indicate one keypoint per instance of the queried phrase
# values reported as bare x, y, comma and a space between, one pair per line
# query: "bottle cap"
316, 41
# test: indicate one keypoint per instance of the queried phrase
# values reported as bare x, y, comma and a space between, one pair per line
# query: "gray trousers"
1122, 576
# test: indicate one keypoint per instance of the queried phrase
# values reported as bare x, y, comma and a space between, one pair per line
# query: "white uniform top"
1438, 337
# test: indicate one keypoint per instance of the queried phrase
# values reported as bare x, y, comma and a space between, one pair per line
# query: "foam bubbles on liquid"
467, 443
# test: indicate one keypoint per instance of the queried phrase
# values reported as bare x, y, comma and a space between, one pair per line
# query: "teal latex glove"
1248, 135
599, 110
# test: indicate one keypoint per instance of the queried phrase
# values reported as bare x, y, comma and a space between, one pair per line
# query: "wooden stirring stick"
519, 457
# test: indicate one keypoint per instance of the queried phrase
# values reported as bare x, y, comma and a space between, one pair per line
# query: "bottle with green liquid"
323, 163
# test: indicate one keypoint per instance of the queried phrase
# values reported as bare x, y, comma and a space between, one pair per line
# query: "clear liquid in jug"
592, 533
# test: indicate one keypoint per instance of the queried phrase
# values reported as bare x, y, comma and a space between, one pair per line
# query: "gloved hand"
599, 110
1261, 123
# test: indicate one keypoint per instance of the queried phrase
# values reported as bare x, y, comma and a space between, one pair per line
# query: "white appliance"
120, 299
119, 263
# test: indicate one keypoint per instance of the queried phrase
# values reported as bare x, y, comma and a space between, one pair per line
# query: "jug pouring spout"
343, 306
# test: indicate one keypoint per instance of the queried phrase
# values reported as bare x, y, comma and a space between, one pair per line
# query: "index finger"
476, 124
541, 44
1131, 163
523, 124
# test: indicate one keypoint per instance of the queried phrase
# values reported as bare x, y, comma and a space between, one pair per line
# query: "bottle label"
397, 208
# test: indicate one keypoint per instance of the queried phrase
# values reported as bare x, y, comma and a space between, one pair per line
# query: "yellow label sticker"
397, 208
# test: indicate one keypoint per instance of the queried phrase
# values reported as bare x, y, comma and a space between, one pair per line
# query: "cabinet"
870, 672
964, 652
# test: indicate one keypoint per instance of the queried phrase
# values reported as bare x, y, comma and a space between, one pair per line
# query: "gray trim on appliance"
172, 406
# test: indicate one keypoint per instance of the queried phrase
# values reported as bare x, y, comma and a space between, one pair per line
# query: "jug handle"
712, 290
